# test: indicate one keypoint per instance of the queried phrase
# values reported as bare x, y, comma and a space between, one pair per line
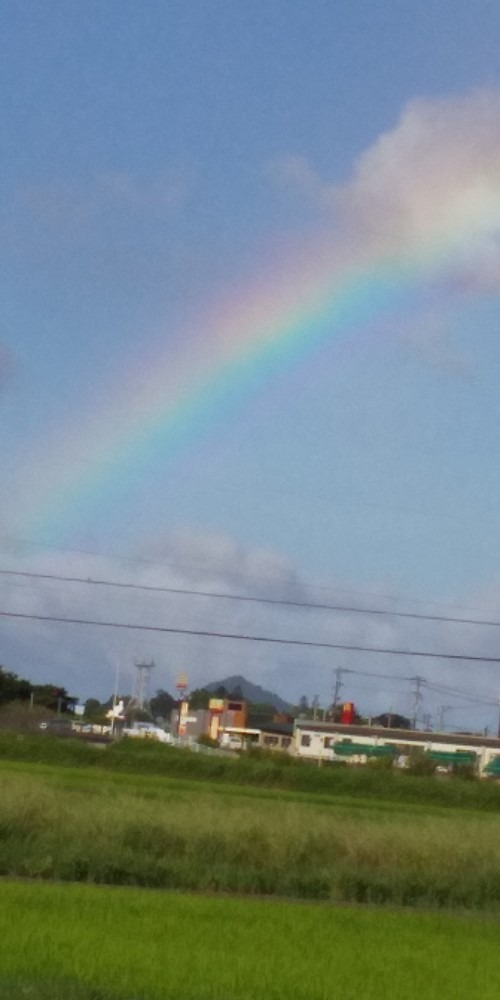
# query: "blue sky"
158, 156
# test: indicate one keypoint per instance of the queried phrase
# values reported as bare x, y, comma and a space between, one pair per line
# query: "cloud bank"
86, 659
438, 167
428, 188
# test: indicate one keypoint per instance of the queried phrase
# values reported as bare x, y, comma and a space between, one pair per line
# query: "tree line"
50, 696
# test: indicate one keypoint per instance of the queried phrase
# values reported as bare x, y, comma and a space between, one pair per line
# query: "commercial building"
324, 741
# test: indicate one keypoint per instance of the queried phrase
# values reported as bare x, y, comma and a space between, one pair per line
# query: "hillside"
249, 691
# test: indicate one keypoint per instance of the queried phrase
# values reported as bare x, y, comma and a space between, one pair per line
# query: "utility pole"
115, 698
442, 712
417, 697
336, 687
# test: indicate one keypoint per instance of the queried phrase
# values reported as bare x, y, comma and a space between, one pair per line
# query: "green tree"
55, 698
304, 705
391, 720
13, 688
199, 698
94, 710
162, 704
420, 763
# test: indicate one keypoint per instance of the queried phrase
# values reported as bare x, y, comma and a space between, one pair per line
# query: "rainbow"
161, 404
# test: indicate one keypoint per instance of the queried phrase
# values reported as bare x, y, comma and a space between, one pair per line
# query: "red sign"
347, 717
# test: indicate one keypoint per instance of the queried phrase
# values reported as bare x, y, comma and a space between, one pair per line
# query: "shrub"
207, 741
420, 764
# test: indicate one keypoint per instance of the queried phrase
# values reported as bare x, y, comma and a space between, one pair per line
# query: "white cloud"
164, 192
426, 192
439, 166
67, 205
296, 175
85, 659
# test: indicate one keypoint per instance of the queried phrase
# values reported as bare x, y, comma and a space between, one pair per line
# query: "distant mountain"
249, 691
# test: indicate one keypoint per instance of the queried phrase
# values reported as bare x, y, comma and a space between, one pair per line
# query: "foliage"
420, 763
465, 771
260, 714
381, 763
21, 716
95, 711
220, 692
88, 943
13, 688
391, 720
162, 704
136, 714
274, 771
207, 741
199, 699
91, 826
56, 699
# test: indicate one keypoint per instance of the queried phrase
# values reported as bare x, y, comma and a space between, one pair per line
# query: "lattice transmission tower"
142, 686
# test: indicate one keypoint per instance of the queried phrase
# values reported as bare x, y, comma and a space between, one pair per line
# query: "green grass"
22, 988
81, 825
274, 771
73, 942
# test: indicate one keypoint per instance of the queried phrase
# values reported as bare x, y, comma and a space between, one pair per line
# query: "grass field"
91, 816
68, 942
80, 825
277, 771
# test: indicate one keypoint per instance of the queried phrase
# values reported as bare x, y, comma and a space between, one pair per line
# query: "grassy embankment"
62, 942
96, 825
268, 771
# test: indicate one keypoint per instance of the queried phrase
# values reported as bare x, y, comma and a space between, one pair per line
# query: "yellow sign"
183, 716
216, 704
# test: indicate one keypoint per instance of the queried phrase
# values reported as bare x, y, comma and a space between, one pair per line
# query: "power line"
205, 633
9, 541
367, 673
429, 685
455, 693
249, 598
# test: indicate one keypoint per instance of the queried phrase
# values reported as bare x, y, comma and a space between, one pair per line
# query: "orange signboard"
216, 704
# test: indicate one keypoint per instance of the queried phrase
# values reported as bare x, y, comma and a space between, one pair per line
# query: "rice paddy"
80, 826
67, 942
126, 885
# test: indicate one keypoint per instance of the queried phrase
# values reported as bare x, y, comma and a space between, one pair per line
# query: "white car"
231, 741
147, 730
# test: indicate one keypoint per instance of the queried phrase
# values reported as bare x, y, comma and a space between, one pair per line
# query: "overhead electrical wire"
449, 692
178, 591
241, 637
248, 598
430, 685
9, 542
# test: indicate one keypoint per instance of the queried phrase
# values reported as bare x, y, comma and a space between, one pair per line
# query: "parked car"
147, 731
57, 725
231, 741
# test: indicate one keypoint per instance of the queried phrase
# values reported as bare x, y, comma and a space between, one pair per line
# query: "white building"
324, 741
